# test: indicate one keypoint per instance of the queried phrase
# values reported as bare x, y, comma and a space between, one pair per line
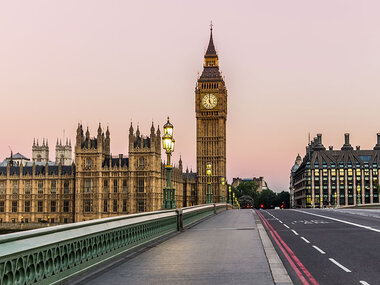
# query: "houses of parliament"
96, 185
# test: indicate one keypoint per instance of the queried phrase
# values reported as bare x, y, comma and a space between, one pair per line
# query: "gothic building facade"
96, 185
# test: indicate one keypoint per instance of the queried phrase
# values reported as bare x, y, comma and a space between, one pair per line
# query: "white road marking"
342, 221
280, 221
320, 250
305, 240
295, 232
364, 283
339, 265
286, 226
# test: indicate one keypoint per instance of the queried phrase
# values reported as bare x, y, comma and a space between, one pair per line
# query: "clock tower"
211, 115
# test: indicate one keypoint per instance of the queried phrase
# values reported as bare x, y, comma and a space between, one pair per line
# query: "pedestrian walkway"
225, 249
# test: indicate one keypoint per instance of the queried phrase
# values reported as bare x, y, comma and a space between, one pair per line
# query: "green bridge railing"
52, 255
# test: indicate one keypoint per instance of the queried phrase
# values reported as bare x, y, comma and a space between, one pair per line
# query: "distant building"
40, 153
15, 159
259, 180
328, 177
63, 153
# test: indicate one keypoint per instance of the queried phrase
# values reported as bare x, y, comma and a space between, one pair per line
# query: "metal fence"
52, 255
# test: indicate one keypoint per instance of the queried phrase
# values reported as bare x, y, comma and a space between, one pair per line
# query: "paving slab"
224, 249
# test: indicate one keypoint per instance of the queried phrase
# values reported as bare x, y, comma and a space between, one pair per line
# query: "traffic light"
282, 206
262, 206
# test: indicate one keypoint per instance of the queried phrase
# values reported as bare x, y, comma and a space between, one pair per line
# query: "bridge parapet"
52, 255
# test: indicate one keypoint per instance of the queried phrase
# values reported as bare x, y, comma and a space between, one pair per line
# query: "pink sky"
291, 67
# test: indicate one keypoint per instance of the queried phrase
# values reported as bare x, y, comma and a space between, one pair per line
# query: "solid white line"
342, 221
305, 240
295, 232
364, 283
320, 250
339, 265
286, 226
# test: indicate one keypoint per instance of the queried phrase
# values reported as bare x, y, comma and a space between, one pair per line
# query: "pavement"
326, 246
224, 249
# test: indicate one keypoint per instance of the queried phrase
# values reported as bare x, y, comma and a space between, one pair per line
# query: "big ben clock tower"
211, 114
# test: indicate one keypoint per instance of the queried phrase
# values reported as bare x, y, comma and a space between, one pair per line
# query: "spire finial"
211, 25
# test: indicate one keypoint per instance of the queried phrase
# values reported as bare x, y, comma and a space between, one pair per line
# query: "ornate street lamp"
209, 194
359, 196
168, 145
223, 197
229, 194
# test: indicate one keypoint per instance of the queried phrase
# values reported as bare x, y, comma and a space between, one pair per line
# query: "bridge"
205, 244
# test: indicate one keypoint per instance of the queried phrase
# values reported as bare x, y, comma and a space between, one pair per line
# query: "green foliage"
267, 197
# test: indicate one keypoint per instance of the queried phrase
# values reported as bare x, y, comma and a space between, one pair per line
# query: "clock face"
209, 101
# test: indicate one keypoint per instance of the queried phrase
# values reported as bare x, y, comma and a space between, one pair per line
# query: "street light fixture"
168, 142
209, 194
229, 194
223, 197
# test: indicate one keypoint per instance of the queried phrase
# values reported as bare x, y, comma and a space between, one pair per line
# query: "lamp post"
229, 194
168, 141
223, 197
208, 173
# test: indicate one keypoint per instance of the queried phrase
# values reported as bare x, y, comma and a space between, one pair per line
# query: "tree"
247, 188
283, 198
267, 198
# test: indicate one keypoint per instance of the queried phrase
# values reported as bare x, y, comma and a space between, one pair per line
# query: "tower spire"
211, 52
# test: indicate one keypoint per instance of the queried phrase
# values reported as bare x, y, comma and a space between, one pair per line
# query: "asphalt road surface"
327, 246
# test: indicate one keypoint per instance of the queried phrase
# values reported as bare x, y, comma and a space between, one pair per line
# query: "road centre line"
342, 221
363, 282
305, 240
339, 265
280, 221
286, 226
295, 232
320, 250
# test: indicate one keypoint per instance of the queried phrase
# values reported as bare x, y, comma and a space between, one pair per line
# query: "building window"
2, 210
27, 187
124, 205
140, 185
87, 206
53, 206
2, 188
141, 205
53, 187
27, 206
14, 187
66, 189
105, 186
40, 188
88, 186
115, 205
115, 186
141, 163
40, 206
14, 206
66, 206
124, 185
105, 206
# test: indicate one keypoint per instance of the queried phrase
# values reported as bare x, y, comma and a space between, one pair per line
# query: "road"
321, 246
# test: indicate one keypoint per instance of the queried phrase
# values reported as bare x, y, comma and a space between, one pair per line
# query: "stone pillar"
345, 188
370, 187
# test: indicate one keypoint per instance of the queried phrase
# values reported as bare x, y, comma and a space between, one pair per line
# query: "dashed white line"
363, 282
280, 221
339, 265
342, 221
295, 232
305, 240
320, 250
286, 226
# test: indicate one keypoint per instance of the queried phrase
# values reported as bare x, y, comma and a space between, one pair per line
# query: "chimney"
377, 146
347, 138
319, 138
347, 145
331, 147
358, 147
